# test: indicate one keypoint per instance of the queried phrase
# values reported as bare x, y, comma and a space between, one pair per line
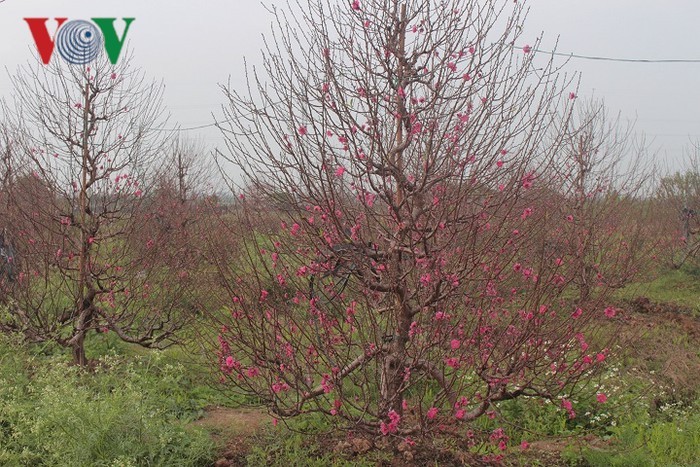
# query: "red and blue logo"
78, 41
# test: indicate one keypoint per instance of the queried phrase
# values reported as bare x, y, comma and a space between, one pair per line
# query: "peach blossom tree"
385, 263
81, 146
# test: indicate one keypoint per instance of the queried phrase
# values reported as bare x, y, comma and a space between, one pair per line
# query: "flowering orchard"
400, 256
79, 151
678, 203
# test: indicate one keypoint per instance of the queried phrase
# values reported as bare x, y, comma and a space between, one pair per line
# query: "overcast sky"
194, 45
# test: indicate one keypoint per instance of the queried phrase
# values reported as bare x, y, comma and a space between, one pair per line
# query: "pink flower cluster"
392, 426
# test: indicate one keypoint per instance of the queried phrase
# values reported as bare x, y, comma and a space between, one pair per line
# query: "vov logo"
78, 41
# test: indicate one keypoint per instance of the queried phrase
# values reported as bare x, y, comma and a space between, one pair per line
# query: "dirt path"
233, 430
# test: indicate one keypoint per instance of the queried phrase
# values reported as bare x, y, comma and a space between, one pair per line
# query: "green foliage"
530, 416
670, 438
123, 414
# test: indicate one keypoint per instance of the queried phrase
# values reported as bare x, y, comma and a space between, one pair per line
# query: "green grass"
674, 286
671, 438
124, 413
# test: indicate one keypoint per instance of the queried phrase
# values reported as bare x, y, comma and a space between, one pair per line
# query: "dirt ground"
233, 429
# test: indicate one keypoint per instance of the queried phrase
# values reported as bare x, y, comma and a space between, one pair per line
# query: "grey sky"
193, 46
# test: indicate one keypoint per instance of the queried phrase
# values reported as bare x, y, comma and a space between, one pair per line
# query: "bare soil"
233, 429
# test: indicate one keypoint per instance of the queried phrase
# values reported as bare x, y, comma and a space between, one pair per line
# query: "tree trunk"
79, 357
394, 365
395, 362
83, 321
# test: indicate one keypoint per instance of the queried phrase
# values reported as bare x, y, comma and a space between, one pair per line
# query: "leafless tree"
603, 180
678, 208
81, 145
